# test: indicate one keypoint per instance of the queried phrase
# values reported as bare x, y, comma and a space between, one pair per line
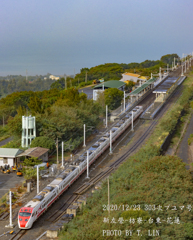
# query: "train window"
24, 214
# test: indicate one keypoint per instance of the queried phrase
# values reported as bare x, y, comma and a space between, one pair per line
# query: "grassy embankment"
146, 178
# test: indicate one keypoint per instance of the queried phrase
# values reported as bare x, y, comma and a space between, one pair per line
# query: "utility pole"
65, 83
86, 77
108, 197
26, 75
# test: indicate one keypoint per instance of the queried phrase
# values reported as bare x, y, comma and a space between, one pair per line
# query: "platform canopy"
166, 85
142, 87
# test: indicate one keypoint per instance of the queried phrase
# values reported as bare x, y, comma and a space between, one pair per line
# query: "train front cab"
25, 218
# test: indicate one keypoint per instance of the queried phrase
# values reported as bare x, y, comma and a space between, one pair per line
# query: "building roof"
34, 152
110, 84
132, 74
10, 152
143, 78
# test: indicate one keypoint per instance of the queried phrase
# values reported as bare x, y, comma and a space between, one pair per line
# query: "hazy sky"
63, 36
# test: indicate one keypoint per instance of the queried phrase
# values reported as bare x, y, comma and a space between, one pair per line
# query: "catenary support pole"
182, 71
87, 165
57, 152
38, 179
110, 143
108, 197
84, 145
10, 208
160, 74
62, 154
106, 116
132, 122
124, 101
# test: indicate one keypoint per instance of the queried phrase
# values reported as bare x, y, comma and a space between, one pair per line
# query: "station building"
9, 156
126, 77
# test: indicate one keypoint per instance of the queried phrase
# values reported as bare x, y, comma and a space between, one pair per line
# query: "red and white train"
40, 203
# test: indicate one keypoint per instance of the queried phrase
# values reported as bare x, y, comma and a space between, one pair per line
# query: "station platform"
163, 93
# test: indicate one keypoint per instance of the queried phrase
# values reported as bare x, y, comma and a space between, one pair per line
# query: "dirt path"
183, 149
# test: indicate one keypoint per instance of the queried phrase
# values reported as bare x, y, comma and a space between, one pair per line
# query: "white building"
133, 77
9, 156
54, 77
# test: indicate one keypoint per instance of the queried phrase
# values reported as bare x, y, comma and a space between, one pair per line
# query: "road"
5, 141
88, 91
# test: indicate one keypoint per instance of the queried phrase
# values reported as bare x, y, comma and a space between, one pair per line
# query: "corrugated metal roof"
166, 85
143, 86
10, 152
110, 84
132, 74
34, 152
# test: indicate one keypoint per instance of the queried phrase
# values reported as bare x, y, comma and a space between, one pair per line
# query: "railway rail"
86, 186
57, 215
19, 234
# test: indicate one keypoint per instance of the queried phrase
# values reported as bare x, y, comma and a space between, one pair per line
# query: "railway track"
86, 186
81, 190
18, 235
58, 214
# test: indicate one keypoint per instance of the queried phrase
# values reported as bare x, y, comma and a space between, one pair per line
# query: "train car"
41, 202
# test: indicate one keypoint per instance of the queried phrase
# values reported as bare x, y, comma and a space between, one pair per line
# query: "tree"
169, 58
129, 85
113, 97
44, 142
36, 105
32, 161
101, 99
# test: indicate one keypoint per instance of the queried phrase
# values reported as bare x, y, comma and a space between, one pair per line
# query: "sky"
61, 37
